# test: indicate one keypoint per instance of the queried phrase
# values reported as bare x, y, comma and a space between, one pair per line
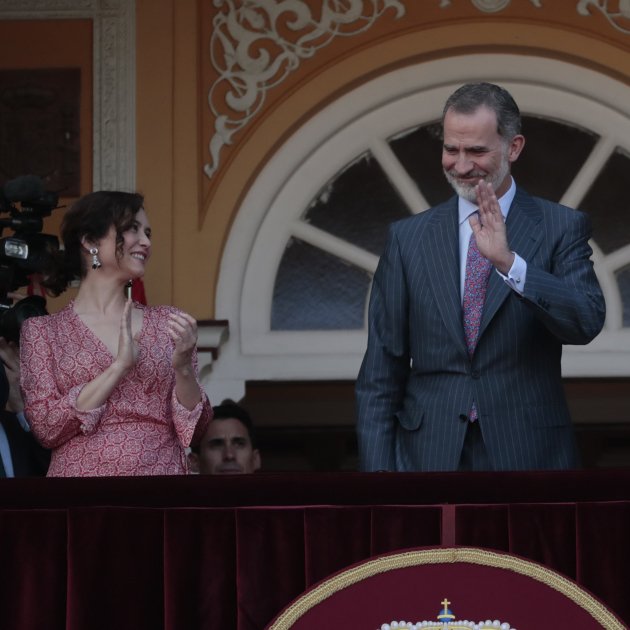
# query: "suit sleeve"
568, 298
385, 369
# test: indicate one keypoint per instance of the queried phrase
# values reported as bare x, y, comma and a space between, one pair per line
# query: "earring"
96, 261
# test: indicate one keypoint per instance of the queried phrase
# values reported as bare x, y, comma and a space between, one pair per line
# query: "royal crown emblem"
446, 621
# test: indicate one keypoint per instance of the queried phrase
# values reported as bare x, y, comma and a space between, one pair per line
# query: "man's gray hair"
470, 96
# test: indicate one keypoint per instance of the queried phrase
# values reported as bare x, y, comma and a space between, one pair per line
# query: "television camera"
26, 251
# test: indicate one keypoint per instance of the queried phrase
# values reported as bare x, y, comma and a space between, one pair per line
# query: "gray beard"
467, 191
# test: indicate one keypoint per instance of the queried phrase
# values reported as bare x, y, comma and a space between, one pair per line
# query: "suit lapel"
442, 245
524, 237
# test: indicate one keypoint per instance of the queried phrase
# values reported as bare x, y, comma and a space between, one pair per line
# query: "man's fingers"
475, 223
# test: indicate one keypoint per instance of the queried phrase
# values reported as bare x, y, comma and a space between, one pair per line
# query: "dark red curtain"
214, 553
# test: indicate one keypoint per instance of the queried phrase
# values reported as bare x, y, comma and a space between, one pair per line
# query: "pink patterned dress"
141, 429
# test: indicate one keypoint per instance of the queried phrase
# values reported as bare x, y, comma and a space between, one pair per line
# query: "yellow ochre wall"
191, 214
174, 122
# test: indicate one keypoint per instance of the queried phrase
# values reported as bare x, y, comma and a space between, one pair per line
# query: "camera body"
27, 251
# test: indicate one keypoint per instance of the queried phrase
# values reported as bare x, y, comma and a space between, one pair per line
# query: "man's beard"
467, 190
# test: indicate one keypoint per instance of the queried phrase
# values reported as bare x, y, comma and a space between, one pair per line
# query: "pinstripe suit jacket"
417, 382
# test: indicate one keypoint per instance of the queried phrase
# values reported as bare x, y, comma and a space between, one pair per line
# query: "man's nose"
228, 452
463, 164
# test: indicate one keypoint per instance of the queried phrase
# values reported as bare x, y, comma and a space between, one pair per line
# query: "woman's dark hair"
91, 217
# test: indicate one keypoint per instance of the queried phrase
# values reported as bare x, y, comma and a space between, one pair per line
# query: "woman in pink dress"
111, 385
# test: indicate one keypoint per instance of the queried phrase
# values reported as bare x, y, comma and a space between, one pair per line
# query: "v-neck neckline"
99, 341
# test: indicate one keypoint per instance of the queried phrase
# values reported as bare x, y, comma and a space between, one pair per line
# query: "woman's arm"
55, 416
52, 414
97, 391
191, 407
182, 329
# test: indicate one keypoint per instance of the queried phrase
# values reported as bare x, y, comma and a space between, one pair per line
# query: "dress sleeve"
191, 424
53, 415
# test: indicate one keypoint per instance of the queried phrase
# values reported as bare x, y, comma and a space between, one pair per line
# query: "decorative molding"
489, 6
114, 80
618, 18
257, 44
44, 7
614, 17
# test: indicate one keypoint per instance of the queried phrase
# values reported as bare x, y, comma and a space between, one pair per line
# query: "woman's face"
136, 247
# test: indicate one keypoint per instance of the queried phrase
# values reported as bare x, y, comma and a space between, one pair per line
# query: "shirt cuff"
516, 275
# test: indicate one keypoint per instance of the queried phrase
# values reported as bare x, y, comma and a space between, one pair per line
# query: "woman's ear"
87, 243
90, 252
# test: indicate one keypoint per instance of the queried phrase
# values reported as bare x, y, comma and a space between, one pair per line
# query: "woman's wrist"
185, 369
118, 368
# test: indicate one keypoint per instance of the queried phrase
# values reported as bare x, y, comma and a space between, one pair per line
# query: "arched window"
297, 267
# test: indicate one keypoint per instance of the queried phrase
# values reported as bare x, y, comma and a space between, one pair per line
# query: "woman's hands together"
182, 329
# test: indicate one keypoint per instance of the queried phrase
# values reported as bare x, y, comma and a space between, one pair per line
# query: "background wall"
195, 153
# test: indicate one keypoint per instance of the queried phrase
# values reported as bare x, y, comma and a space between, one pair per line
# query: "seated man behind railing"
228, 445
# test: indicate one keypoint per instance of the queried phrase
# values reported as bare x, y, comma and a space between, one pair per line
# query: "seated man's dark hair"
229, 409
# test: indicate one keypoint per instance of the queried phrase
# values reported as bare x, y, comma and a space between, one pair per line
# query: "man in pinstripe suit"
426, 400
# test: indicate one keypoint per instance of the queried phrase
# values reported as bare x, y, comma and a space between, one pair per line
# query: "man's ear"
193, 462
515, 148
256, 459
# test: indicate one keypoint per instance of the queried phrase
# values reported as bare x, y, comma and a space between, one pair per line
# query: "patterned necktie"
477, 274
475, 284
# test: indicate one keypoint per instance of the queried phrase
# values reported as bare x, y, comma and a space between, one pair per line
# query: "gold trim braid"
468, 555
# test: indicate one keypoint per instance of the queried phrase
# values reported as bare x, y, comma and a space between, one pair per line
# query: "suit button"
475, 374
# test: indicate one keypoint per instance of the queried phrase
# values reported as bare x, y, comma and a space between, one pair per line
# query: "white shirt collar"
466, 208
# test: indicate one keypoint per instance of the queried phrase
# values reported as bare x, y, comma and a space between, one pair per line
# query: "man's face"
473, 150
226, 448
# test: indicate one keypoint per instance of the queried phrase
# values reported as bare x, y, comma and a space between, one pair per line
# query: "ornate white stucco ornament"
490, 6
256, 44
614, 17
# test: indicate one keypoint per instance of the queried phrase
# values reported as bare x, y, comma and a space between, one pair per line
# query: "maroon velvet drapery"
215, 553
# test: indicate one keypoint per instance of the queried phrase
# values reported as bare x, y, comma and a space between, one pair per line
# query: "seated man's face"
225, 449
